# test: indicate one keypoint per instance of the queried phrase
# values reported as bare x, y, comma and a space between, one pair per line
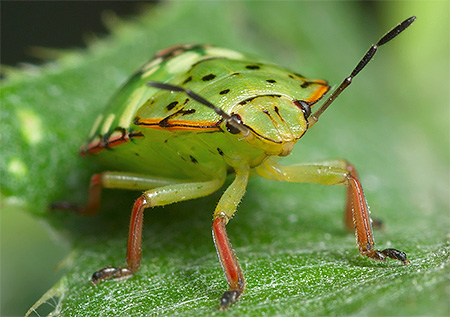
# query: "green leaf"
298, 260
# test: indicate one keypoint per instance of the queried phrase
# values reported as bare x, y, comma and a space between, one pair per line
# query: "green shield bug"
196, 113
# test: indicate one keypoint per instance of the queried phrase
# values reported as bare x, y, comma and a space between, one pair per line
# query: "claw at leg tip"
228, 298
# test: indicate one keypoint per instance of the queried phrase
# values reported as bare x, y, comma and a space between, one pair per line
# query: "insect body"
159, 136
198, 141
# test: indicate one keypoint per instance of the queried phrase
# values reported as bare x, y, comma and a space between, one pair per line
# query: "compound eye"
231, 126
304, 106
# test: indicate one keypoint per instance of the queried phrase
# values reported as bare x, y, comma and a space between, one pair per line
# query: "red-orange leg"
134, 247
225, 210
93, 203
165, 191
348, 216
338, 172
160, 196
119, 180
229, 262
356, 202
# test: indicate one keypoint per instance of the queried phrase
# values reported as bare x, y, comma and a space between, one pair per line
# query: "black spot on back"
187, 80
272, 81
208, 77
193, 159
171, 105
220, 151
252, 67
223, 92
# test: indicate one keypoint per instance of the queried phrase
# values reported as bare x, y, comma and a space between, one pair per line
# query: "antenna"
362, 63
233, 121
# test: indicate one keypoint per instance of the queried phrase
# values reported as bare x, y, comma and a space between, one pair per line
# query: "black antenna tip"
411, 19
396, 31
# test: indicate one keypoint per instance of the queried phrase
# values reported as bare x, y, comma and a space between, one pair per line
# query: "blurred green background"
393, 124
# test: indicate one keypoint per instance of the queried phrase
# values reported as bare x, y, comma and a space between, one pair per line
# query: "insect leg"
223, 213
111, 180
160, 196
348, 215
337, 173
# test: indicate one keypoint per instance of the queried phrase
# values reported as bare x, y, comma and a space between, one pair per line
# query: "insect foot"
110, 272
229, 298
390, 253
65, 205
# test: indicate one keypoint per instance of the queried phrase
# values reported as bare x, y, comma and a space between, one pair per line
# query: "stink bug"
196, 113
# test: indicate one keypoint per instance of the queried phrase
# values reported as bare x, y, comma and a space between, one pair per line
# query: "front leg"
166, 194
338, 172
224, 211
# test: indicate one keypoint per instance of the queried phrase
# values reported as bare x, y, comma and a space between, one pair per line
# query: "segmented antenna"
231, 120
362, 63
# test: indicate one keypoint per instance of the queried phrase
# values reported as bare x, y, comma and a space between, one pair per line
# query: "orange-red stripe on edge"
177, 125
320, 91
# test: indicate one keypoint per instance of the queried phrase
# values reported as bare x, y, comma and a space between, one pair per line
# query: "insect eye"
304, 106
231, 128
